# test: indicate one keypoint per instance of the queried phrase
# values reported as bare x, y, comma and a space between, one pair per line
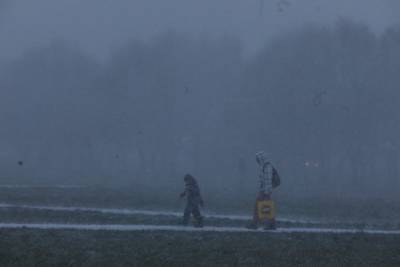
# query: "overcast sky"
101, 25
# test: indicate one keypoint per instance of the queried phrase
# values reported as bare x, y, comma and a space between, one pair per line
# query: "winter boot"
199, 223
270, 225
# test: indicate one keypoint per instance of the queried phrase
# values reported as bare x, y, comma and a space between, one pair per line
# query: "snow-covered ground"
132, 227
16, 186
153, 213
139, 227
208, 215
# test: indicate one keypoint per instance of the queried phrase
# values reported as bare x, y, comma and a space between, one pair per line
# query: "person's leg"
186, 214
256, 218
254, 223
270, 223
273, 223
197, 216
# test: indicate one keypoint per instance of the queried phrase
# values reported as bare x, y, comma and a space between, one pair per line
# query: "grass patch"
28, 247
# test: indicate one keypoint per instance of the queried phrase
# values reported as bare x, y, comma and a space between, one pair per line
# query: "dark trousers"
192, 209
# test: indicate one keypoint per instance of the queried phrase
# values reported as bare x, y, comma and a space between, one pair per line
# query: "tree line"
322, 101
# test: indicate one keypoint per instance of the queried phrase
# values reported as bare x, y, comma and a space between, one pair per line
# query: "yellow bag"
266, 209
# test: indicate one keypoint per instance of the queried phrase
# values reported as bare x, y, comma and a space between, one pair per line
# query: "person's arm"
183, 194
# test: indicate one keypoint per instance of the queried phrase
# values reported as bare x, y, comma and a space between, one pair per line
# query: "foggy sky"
99, 26
85, 103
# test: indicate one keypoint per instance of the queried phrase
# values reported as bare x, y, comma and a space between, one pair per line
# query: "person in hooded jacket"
264, 211
194, 201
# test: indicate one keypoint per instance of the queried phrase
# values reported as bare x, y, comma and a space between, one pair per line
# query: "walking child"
194, 201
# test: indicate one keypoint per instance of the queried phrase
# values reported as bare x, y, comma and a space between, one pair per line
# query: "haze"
98, 26
141, 92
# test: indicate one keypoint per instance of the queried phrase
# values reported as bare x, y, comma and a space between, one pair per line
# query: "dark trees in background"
323, 101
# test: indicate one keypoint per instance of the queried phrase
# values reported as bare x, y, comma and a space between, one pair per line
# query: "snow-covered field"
64, 226
123, 211
27, 186
89, 217
141, 227
146, 212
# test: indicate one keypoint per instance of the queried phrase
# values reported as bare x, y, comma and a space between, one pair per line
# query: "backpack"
276, 179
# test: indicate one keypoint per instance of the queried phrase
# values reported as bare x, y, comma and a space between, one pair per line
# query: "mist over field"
139, 93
